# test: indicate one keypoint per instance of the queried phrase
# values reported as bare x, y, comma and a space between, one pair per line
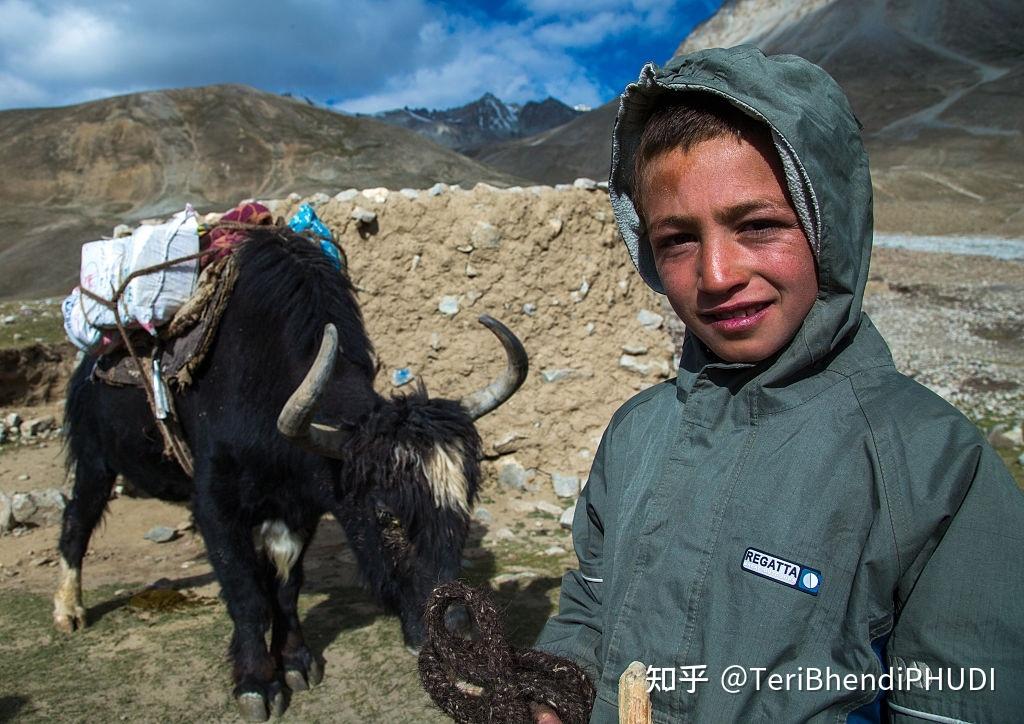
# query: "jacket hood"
818, 140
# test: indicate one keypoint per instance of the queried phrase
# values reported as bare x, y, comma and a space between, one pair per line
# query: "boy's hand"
544, 714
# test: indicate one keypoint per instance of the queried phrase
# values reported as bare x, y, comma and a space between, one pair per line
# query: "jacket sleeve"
960, 601
575, 632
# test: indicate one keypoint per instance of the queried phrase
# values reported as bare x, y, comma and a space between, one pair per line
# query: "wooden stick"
634, 703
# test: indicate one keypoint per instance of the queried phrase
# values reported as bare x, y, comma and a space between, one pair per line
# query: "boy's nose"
720, 267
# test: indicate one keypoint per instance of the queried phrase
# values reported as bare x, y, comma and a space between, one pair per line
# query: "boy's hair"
681, 121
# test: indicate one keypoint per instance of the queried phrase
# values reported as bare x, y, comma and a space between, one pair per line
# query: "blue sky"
357, 56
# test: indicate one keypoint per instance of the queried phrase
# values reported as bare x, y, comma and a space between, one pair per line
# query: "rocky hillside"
478, 125
71, 173
938, 84
580, 148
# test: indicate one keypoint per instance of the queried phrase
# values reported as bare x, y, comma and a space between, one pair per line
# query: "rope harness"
509, 678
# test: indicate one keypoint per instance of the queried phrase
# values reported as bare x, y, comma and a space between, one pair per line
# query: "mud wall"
547, 262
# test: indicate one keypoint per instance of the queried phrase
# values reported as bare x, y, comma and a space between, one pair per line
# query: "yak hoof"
253, 705
314, 673
69, 621
302, 671
299, 680
277, 704
295, 680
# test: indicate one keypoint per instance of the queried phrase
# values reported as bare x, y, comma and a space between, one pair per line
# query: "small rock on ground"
649, 319
513, 475
161, 534
549, 508
448, 306
566, 486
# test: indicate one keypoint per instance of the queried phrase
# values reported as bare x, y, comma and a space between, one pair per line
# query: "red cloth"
226, 239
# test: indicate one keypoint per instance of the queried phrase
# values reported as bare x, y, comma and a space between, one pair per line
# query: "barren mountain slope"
579, 148
939, 86
68, 171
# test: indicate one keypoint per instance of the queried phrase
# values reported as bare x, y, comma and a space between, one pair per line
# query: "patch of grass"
133, 665
34, 322
368, 675
154, 663
147, 667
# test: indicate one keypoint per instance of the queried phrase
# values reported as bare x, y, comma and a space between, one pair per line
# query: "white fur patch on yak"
281, 545
446, 477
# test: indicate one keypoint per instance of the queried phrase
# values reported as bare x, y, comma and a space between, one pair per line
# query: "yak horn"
296, 419
481, 402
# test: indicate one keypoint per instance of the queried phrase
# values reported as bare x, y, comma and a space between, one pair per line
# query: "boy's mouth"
737, 317
746, 310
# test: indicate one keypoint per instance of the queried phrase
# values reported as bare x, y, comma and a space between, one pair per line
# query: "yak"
400, 474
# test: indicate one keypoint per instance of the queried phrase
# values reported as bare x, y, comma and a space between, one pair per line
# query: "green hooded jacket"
815, 512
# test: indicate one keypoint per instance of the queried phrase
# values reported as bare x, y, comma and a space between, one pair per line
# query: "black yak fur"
247, 474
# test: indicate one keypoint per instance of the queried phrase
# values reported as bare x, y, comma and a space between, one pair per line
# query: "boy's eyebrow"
725, 216
673, 220
734, 213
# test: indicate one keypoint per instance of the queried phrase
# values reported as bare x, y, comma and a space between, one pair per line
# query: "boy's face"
734, 261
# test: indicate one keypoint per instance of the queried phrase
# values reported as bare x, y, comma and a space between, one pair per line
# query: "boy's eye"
761, 226
674, 240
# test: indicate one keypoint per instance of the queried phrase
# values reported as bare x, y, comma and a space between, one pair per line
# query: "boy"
790, 504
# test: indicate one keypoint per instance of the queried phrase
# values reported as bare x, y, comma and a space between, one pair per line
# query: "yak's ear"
296, 419
481, 402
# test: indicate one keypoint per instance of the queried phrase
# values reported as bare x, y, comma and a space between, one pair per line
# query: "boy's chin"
743, 352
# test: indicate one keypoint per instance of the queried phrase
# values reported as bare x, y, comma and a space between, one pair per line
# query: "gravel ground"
956, 324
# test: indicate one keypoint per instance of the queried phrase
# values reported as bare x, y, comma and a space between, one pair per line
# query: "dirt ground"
548, 264
135, 662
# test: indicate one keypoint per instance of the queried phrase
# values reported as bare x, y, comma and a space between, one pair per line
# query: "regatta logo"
782, 571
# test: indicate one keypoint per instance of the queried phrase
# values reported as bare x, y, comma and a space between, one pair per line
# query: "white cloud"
17, 92
584, 8
314, 48
511, 60
562, 8
75, 44
367, 55
500, 62
585, 32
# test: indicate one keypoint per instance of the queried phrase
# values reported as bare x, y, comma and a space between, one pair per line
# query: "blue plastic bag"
305, 219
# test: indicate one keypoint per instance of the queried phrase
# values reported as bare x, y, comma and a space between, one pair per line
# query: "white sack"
153, 299
149, 300
102, 273
82, 334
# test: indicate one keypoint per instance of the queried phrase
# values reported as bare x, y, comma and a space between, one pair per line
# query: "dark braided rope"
510, 678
